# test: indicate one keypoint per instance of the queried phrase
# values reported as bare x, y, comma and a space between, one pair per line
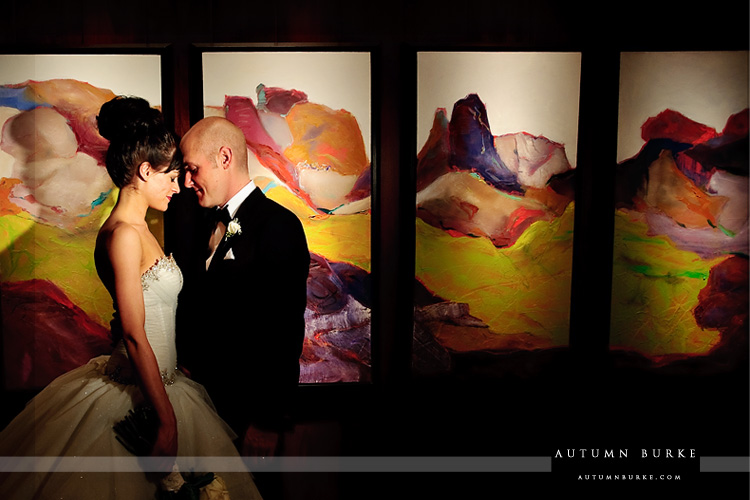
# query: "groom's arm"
283, 271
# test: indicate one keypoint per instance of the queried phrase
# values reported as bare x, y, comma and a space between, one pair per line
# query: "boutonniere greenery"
233, 228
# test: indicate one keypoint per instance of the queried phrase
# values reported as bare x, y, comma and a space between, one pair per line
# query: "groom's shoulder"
278, 209
268, 211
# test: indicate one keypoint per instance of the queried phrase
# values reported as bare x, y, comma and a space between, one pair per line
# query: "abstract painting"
54, 195
306, 116
681, 221
496, 156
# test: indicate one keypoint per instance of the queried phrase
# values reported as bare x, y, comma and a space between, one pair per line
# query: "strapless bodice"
161, 285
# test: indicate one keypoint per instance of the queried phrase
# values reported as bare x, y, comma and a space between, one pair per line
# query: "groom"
249, 312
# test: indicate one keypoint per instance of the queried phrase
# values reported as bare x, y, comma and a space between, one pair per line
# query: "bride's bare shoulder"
116, 240
118, 235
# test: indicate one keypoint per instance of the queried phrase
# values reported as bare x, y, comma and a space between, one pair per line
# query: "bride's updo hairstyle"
136, 133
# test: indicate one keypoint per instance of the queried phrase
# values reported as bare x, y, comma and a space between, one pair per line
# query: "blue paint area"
329, 211
261, 91
332, 283
354, 281
17, 98
269, 186
101, 199
473, 145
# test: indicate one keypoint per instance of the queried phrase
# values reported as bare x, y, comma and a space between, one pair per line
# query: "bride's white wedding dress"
74, 415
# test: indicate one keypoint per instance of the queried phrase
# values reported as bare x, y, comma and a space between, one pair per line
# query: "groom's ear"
225, 157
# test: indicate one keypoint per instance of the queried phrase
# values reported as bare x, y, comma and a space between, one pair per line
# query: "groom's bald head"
215, 156
214, 132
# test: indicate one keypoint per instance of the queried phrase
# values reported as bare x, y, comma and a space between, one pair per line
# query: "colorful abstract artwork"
681, 221
496, 155
54, 195
306, 118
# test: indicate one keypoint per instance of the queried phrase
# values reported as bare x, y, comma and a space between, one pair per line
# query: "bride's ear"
145, 170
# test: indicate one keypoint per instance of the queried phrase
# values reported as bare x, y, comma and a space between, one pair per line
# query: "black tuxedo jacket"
247, 328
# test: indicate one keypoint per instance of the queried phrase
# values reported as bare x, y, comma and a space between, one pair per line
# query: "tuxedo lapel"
247, 215
221, 251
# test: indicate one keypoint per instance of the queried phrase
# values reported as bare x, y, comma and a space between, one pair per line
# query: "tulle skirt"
74, 417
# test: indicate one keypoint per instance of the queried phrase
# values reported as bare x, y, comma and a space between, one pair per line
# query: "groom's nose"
188, 180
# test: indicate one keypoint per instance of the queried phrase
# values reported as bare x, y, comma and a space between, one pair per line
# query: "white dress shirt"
232, 206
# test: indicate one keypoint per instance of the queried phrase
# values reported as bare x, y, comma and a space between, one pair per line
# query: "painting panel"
496, 157
306, 116
54, 195
681, 241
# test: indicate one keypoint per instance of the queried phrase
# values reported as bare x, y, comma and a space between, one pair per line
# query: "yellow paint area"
340, 238
66, 258
524, 288
656, 289
324, 138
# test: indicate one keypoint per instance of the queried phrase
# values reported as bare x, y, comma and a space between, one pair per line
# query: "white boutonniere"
233, 228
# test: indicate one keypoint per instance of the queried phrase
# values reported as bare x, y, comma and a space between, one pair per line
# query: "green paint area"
655, 290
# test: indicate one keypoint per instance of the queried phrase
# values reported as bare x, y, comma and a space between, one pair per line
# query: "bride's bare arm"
125, 251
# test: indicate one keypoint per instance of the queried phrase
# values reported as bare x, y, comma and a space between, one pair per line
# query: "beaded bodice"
161, 285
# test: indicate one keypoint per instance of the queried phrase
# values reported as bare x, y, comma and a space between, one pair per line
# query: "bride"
74, 416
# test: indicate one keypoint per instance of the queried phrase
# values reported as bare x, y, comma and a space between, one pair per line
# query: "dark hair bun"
127, 118
137, 133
